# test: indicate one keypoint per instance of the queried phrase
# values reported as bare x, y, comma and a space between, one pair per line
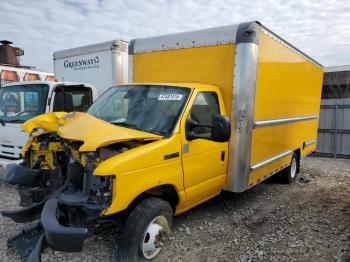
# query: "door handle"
171, 155
222, 155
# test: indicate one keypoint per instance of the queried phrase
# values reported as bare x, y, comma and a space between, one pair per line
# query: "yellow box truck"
206, 111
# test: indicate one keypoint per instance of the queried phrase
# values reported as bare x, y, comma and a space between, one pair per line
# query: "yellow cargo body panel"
271, 91
207, 64
288, 86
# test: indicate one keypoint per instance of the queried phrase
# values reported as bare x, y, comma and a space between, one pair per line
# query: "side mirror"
221, 131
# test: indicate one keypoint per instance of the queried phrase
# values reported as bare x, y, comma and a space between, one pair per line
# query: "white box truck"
21, 101
103, 64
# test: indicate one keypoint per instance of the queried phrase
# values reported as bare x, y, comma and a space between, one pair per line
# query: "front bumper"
80, 198
69, 239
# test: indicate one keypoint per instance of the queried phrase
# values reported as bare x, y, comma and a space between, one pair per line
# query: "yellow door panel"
195, 194
204, 161
204, 170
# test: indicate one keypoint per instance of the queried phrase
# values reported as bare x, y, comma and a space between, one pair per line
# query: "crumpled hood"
84, 127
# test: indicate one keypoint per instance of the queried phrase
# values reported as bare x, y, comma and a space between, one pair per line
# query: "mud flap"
28, 243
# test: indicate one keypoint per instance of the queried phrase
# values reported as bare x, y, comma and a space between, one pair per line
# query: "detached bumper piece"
26, 214
69, 239
15, 174
33, 212
28, 243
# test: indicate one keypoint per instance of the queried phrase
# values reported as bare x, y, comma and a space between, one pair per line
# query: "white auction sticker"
170, 97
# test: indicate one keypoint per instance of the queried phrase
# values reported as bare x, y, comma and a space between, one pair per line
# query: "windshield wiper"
3, 122
123, 124
157, 132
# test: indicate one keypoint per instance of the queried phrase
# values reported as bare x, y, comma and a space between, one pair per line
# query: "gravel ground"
306, 221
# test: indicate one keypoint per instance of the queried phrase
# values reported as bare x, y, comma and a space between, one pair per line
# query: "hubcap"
154, 236
293, 168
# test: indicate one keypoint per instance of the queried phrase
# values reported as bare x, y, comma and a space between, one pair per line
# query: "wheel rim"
293, 168
154, 236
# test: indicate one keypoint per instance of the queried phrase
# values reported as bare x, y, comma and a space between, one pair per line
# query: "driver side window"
204, 108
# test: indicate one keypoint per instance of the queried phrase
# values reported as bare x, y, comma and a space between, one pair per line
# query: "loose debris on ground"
306, 221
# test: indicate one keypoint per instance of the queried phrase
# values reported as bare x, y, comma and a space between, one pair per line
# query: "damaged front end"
56, 181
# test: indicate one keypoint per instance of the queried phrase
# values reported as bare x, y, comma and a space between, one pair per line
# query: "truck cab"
193, 130
22, 101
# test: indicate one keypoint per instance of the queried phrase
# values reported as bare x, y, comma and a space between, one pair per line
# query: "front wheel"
290, 173
145, 230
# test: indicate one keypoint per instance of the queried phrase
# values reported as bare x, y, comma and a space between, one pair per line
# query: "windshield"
20, 103
148, 108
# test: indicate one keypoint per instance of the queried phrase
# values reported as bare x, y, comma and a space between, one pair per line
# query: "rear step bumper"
69, 239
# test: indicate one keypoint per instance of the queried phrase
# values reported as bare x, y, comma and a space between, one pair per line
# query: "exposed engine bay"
51, 162
54, 161
57, 187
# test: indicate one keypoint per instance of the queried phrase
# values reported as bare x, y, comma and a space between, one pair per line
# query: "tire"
151, 219
289, 175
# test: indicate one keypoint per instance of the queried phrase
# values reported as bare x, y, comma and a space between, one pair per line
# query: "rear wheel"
290, 173
145, 230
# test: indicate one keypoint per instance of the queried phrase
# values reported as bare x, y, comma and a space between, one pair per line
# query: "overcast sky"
319, 28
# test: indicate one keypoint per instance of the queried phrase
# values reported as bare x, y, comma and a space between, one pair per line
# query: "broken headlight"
103, 186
